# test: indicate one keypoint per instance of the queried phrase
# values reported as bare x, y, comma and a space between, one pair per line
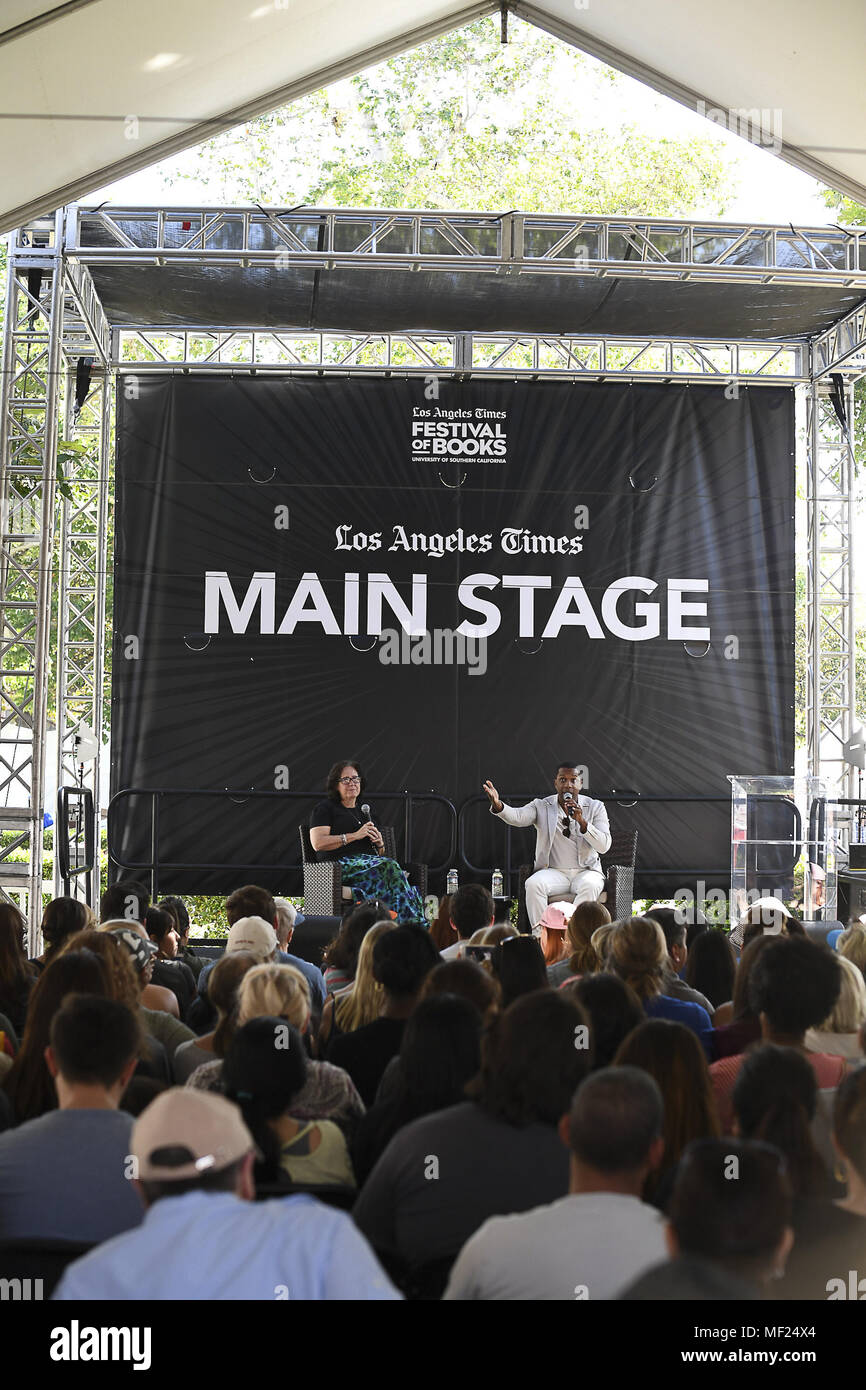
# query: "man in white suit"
571, 831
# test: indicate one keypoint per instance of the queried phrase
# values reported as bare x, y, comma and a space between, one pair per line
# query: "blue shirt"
65, 1176
312, 973
694, 1016
214, 1245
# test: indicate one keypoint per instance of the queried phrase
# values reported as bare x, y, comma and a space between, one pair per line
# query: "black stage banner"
447, 581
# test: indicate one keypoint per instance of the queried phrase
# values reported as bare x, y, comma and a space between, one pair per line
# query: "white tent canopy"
95, 89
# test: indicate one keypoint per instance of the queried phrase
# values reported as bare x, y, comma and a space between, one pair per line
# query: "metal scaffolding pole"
830, 625
29, 389
81, 593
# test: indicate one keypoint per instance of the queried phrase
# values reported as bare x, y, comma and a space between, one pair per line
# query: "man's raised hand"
492, 795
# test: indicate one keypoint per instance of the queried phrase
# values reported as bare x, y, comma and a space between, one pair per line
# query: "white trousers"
584, 884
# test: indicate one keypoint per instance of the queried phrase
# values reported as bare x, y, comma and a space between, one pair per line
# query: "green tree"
466, 122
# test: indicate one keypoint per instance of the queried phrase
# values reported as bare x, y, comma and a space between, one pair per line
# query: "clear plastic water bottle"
452, 882
497, 887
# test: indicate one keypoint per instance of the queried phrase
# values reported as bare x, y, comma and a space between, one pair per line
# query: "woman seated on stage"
339, 830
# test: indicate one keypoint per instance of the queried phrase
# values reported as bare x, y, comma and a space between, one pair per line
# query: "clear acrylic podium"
783, 845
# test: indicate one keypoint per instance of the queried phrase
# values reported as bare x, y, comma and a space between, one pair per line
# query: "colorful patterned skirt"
373, 876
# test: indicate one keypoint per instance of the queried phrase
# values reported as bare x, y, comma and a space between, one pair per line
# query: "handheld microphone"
365, 811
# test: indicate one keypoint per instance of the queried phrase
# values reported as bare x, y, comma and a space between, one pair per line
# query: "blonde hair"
477, 937
363, 1002
852, 946
600, 942
849, 1011
493, 935
274, 991
638, 952
586, 921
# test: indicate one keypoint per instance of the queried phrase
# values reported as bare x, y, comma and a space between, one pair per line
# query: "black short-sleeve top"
341, 820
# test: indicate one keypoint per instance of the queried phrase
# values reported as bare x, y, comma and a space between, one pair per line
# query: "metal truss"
83, 565
29, 400
462, 354
507, 243
842, 346
830, 620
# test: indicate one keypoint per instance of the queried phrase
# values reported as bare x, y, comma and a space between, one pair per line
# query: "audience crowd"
602, 1110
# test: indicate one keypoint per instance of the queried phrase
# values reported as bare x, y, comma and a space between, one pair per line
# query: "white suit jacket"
543, 813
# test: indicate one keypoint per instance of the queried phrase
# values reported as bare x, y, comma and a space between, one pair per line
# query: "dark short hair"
471, 909
93, 1039
158, 923
62, 918
519, 966
342, 953
177, 908
129, 898
250, 901
613, 1008
615, 1116
530, 1064
667, 918
332, 782
796, 983
738, 1223
402, 958
466, 979
560, 766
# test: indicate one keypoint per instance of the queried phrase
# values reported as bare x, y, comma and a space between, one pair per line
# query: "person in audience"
471, 911
204, 1235
639, 956
831, 1236
497, 1152
768, 915
341, 955
63, 1175
613, 1009
601, 940
288, 917
593, 1242
62, 918
29, 1085
518, 965
552, 938
736, 1025
280, 991
671, 1054
17, 976
774, 1099
401, 960
125, 987
439, 1054
442, 930
168, 971
464, 978
249, 904
712, 967
793, 986
852, 945
359, 1003
500, 931
581, 956
160, 1024
264, 1072
124, 903
223, 987
735, 1221
672, 923
178, 909
839, 1033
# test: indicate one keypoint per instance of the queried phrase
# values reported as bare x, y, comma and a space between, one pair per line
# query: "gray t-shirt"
188, 1057
63, 1177
442, 1176
587, 1246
